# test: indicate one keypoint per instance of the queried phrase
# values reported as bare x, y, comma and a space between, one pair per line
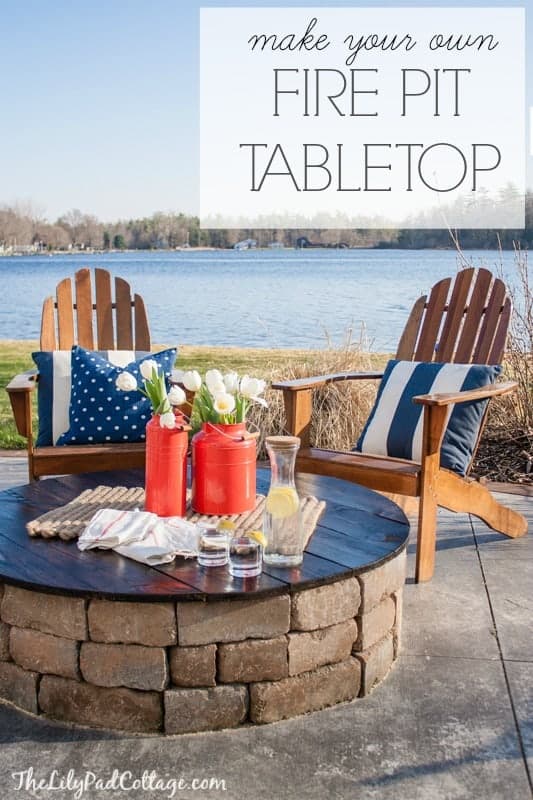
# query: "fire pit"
95, 639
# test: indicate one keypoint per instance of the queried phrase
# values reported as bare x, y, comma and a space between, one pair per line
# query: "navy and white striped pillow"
394, 427
54, 385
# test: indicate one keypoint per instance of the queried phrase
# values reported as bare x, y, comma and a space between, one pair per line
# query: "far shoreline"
211, 249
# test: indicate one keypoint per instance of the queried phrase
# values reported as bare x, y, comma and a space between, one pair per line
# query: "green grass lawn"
15, 357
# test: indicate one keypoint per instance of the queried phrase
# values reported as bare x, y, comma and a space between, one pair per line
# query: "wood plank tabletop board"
358, 530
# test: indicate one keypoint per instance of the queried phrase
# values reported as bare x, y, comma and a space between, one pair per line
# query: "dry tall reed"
339, 409
506, 449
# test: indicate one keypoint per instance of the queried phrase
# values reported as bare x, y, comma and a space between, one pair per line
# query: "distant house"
246, 244
303, 242
24, 249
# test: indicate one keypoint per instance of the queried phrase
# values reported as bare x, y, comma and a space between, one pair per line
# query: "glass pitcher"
282, 523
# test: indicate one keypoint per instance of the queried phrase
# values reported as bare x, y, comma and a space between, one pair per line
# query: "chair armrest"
445, 399
20, 390
321, 380
25, 382
298, 395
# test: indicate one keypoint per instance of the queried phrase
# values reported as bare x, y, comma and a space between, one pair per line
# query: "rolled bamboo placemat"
69, 521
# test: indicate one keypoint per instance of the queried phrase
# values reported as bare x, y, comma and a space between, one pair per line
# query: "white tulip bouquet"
221, 399
155, 389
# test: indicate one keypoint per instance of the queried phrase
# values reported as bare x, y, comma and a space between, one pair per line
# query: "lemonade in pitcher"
282, 522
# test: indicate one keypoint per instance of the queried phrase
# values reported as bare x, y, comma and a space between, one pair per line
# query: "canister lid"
283, 441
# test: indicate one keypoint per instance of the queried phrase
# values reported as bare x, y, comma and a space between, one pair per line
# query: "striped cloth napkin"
141, 536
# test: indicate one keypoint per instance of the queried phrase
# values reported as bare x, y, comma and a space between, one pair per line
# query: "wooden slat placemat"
69, 521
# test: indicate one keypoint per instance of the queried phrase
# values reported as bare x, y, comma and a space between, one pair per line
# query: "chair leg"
426, 535
31, 471
433, 431
468, 496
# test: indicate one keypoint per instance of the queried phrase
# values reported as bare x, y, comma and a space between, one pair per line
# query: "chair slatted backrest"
103, 323
462, 321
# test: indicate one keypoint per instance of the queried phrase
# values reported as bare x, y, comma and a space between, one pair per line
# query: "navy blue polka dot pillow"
99, 412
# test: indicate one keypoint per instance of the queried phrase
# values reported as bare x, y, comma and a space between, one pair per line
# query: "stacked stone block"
379, 620
200, 664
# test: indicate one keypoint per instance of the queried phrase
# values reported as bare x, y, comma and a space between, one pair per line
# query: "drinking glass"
212, 547
245, 557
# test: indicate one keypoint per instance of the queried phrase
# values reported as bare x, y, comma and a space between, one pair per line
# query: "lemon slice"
258, 536
282, 502
226, 525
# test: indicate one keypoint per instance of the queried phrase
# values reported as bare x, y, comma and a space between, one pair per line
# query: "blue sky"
99, 102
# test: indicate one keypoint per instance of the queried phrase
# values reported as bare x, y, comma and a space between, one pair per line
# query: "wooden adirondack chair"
72, 317
462, 321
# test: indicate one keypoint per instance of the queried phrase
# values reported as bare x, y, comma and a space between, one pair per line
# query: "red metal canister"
166, 468
223, 469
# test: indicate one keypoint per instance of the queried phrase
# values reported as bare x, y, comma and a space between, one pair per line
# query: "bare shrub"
340, 409
506, 450
519, 353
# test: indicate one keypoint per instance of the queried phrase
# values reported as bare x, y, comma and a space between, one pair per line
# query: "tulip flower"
177, 375
224, 403
147, 367
213, 379
231, 382
192, 380
126, 382
217, 387
167, 420
176, 396
251, 388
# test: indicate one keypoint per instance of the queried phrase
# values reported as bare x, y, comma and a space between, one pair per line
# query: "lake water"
254, 298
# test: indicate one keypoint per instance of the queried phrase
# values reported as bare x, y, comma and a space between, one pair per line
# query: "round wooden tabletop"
358, 531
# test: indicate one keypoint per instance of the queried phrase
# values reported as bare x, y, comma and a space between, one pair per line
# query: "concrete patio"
453, 720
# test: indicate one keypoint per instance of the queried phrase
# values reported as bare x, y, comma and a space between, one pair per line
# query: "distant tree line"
22, 227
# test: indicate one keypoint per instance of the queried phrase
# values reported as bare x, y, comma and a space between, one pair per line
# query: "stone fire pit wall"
195, 666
